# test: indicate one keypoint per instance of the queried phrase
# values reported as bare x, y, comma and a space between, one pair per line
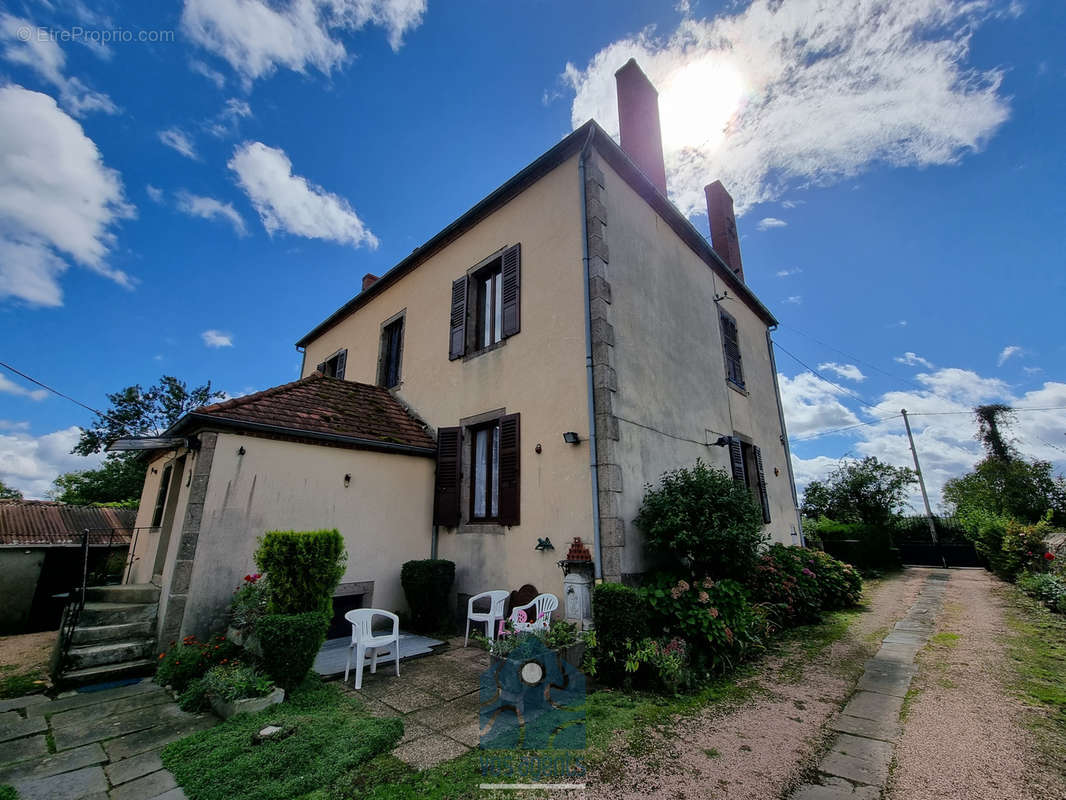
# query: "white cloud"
9, 425
57, 199
766, 223
290, 203
209, 208
792, 203
8, 386
215, 338
812, 405
1032, 370
913, 360
902, 323
213, 75
785, 273
178, 140
229, 118
795, 299
791, 93
155, 194
849, 371
30, 463
46, 58
257, 37
1008, 352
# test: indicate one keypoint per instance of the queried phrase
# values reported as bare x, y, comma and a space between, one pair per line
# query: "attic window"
333, 367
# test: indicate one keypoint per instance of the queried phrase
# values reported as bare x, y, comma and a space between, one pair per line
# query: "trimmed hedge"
621, 615
427, 585
303, 567
290, 643
868, 547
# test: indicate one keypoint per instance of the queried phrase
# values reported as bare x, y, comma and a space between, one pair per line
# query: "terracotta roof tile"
39, 523
331, 406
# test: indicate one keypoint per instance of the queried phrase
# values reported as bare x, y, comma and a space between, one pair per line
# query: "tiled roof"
350, 412
38, 523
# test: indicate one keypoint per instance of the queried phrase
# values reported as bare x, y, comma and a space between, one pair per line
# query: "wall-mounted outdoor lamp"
347, 480
544, 544
241, 451
571, 438
723, 441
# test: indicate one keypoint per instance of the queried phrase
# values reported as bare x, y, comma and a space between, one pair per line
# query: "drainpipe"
433, 542
784, 433
593, 466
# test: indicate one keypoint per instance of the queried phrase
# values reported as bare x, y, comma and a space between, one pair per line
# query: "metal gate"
952, 549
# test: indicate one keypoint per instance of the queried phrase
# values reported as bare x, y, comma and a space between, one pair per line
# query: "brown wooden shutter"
512, 286
446, 489
763, 498
321, 368
734, 370
736, 459
457, 337
510, 474
342, 360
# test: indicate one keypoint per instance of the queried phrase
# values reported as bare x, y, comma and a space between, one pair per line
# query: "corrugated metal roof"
41, 523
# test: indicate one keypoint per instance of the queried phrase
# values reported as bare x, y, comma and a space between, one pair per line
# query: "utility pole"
921, 480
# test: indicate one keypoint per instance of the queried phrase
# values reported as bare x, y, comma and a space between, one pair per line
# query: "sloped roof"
40, 523
316, 407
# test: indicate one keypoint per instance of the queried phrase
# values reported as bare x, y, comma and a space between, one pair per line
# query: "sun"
698, 101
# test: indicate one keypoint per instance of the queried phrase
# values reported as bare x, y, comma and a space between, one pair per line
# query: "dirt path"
964, 734
758, 749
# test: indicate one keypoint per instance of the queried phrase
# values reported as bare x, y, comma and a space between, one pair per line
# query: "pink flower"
683, 586
713, 612
704, 597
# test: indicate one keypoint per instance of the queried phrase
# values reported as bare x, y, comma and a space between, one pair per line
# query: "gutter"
353, 441
593, 465
784, 433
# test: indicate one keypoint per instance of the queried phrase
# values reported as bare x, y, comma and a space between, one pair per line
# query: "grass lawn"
8, 793
327, 736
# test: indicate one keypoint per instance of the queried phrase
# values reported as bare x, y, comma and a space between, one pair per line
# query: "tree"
133, 412
9, 492
867, 491
119, 480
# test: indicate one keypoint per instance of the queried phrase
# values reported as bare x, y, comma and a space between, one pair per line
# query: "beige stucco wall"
670, 367
385, 516
539, 373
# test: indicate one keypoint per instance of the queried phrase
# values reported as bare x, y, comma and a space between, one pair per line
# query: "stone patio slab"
906, 637
872, 729
87, 756
406, 699
468, 734
142, 741
94, 714
854, 769
129, 769
429, 751
22, 749
15, 727
871, 705
151, 785
109, 727
896, 686
23, 702
81, 783
837, 789
457, 712
173, 794
79, 699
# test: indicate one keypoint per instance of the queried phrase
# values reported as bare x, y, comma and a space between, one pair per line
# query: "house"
41, 556
521, 376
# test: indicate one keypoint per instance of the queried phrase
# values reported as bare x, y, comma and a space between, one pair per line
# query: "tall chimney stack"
723, 221
638, 121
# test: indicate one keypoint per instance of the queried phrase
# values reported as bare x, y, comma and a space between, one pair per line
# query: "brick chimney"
638, 121
723, 221
369, 280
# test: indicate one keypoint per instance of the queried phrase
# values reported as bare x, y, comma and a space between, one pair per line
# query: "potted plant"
562, 638
236, 688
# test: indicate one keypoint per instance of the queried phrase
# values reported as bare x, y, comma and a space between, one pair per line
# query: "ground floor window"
485, 472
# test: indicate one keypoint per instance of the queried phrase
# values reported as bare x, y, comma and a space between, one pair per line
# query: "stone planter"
248, 705
246, 638
572, 655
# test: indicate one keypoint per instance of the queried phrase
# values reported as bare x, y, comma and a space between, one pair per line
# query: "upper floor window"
486, 304
391, 351
734, 370
333, 367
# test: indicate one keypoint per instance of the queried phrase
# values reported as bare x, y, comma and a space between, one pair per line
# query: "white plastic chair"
497, 601
543, 605
363, 639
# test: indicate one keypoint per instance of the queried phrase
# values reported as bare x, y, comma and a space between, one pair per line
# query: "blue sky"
193, 195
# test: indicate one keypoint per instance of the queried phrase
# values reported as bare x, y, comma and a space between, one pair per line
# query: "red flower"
1049, 556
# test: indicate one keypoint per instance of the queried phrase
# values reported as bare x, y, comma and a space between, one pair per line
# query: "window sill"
483, 350
481, 527
736, 387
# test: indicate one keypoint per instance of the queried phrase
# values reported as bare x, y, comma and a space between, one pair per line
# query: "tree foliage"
118, 481
144, 412
868, 491
9, 492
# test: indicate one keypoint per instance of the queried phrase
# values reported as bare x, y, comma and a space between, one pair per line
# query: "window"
485, 472
746, 461
333, 367
734, 371
486, 304
391, 349
478, 476
161, 497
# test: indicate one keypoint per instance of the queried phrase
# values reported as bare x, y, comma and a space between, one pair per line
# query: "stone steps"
112, 633
123, 593
109, 672
97, 655
96, 614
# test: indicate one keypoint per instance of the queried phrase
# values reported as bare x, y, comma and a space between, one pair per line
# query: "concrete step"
96, 614
123, 593
112, 633
107, 672
96, 655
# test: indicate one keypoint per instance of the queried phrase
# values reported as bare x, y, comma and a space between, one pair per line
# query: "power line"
854, 357
970, 411
810, 436
60, 394
815, 372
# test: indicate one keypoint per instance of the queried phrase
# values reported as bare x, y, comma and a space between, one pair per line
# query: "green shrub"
250, 602
183, 663
867, 547
236, 681
1008, 546
620, 614
713, 617
699, 520
660, 664
290, 643
303, 567
1047, 588
8, 793
194, 698
427, 585
839, 584
784, 581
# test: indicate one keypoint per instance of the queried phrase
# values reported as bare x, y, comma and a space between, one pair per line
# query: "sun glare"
697, 103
